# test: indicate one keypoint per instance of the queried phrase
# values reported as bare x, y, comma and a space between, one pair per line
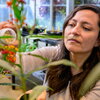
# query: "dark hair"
58, 77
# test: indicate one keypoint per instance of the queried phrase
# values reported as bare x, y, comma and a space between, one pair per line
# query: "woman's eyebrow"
73, 20
83, 22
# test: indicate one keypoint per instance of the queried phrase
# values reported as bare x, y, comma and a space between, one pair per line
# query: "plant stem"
23, 79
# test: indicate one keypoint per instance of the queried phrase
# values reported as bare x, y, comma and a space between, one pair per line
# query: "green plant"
18, 7
90, 80
26, 47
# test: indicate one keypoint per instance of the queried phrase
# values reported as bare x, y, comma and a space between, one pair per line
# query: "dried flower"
9, 3
22, 1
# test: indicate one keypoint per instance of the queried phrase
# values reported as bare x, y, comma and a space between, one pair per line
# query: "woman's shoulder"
47, 50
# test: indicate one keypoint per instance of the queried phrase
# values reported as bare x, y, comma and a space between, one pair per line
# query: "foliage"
90, 80
18, 7
7, 66
26, 47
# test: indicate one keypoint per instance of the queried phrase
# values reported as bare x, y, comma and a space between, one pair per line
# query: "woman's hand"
42, 96
7, 25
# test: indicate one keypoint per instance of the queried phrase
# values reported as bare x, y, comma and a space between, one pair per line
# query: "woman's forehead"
86, 16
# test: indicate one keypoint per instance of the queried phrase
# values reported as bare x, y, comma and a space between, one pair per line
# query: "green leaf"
18, 65
8, 66
14, 2
17, 11
41, 57
90, 80
45, 36
10, 84
26, 47
55, 63
36, 92
31, 81
4, 37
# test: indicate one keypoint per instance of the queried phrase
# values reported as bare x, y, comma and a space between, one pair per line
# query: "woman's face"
81, 32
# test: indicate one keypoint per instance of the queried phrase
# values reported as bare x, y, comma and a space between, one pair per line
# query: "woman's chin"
74, 50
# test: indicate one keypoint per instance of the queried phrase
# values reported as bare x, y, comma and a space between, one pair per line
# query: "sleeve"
94, 94
30, 62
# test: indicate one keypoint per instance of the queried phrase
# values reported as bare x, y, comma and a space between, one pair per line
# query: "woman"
81, 45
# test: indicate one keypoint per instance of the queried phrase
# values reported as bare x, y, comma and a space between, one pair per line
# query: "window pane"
27, 1
59, 16
59, 1
3, 1
4, 14
29, 15
45, 1
59, 13
43, 14
92, 1
78, 2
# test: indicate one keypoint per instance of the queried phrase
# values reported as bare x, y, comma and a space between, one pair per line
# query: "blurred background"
49, 14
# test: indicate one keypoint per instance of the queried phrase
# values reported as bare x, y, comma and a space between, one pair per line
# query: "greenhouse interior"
50, 49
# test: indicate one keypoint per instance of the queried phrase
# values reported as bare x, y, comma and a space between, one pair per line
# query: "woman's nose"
76, 30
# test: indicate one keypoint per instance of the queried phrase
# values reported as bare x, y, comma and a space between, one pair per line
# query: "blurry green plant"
18, 7
27, 47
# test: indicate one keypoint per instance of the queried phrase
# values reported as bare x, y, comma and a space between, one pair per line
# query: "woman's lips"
73, 40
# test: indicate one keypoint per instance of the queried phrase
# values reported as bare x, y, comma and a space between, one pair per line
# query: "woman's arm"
30, 62
7, 25
42, 96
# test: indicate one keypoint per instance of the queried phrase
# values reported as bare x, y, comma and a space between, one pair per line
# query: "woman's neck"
78, 59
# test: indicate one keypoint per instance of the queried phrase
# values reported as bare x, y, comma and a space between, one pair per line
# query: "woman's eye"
72, 25
87, 29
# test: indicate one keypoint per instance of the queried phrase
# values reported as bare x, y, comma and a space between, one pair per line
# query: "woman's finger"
42, 96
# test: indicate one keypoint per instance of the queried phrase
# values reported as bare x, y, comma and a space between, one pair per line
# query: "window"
45, 13
4, 11
92, 1
50, 13
96, 2
59, 13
